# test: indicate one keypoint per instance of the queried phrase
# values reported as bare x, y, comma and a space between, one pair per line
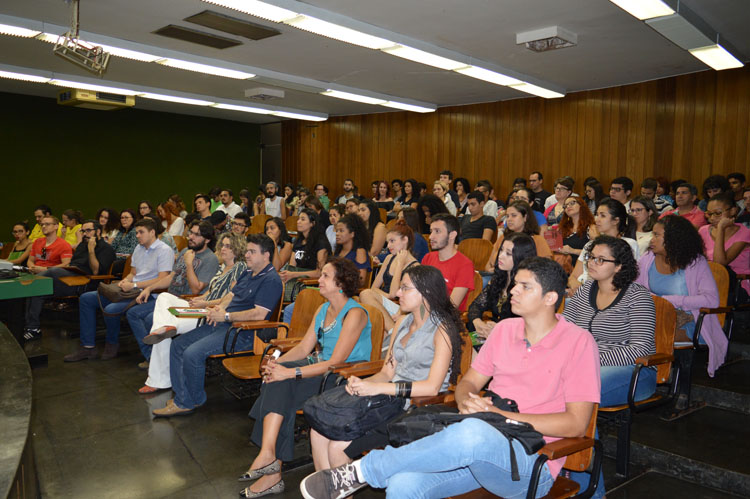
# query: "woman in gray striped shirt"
620, 315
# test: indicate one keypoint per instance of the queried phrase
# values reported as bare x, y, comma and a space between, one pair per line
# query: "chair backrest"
259, 222
383, 214
666, 322
180, 242
307, 302
476, 250
581, 459
378, 331
5, 252
276, 312
477, 288
291, 222
721, 276
127, 267
467, 352
389, 225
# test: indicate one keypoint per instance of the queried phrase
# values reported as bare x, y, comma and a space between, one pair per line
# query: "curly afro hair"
346, 275
682, 243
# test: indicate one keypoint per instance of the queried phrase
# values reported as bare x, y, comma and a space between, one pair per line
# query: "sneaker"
31, 334
335, 483
82, 354
110, 351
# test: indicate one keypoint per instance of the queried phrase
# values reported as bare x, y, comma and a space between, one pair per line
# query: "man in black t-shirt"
540, 195
476, 225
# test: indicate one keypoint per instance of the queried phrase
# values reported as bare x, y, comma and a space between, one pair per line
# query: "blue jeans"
187, 360
140, 318
616, 381
287, 313
88, 304
458, 459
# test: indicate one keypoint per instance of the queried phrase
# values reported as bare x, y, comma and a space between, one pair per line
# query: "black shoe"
31, 334
335, 483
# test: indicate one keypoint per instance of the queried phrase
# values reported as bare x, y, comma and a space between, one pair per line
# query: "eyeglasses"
714, 213
560, 188
616, 189
325, 329
597, 259
568, 205
237, 224
88, 230
404, 288
19, 231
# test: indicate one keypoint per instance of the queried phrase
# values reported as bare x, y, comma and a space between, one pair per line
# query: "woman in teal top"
342, 328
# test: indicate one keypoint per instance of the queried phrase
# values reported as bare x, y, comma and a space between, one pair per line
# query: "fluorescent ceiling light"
128, 54
23, 77
717, 57
408, 107
353, 97
644, 9
48, 37
257, 9
535, 90
174, 98
338, 32
487, 75
93, 88
204, 68
297, 116
7, 29
423, 57
245, 109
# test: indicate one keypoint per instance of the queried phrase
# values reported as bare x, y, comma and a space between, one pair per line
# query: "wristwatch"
226, 317
297, 373
135, 285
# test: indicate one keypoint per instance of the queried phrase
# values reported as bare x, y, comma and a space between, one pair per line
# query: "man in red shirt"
457, 269
49, 251
684, 198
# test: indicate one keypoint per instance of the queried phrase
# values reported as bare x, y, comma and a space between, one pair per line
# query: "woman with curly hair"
494, 298
342, 328
676, 269
424, 353
574, 226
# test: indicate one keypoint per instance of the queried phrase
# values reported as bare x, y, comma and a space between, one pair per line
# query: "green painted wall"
86, 159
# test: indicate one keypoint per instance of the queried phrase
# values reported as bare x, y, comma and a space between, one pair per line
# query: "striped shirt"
624, 330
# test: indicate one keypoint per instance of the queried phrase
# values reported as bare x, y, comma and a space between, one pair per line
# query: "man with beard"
93, 256
273, 204
348, 192
457, 269
193, 270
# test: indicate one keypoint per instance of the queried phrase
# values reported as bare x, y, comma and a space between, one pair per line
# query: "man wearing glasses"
620, 189
193, 270
240, 224
91, 257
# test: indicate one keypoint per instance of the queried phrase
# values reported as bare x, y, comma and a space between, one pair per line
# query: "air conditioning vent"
195, 36
232, 25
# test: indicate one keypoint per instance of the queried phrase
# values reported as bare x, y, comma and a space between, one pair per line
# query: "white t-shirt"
490, 208
273, 207
232, 210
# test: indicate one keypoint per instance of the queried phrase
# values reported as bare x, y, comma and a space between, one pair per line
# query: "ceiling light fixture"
204, 68
297, 116
129, 54
409, 107
644, 9
337, 32
92, 87
717, 57
23, 77
7, 29
487, 75
174, 98
257, 9
353, 97
536, 90
423, 57
244, 109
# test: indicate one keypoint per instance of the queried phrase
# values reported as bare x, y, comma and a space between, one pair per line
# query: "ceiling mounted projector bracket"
68, 46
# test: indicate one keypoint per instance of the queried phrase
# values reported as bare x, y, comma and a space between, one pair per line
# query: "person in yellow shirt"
40, 212
71, 221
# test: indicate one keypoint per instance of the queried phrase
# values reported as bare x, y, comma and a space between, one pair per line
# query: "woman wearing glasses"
563, 189
125, 241
575, 225
22, 247
644, 212
342, 329
424, 354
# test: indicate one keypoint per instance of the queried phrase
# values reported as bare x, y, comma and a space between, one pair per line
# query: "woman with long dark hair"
429, 206
370, 215
411, 217
276, 230
109, 219
645, 215
19, 254
463, 188
424, 353
494, 297
352, 243
309, 251
594, 193
520, 217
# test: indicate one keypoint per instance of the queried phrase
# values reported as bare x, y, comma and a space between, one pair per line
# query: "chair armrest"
360, 369
102, 277
716, 310
285, 344
654, 359
160, 290
565, 447
309, 282
187, 297
446, 398
465, 317
75, 280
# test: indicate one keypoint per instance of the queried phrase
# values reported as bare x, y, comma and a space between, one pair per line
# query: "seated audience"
446, 177
424, 354
386, 284
245, 201
737, 185
348, 192
620, 190
109, 219
177, 201
411, 195
194, 268
575, 225
713, 186
290, 199
440, 190
214, 193
71, 225
477, 225
245, 302
645, 214
310, 250
457, 269
162, 233
21, 249
611, 219
314, 204
370, 215
51, 250
397, 189
240, 223
685, 196
321, 193
594, 193
276, 230
411, 217
523, 194
520, 218
490, 205
334, 215
125, 241
172, 222
726, 242
744, 216
273, 204
676, 269
563, 189
429, 205
462, 187
202, 206
352, 243
649, 188
540, 195
230, 250
228, 205
383, 198
495, 296
351, 206
302, 194
39, 212
662, 191
144, 208
152, 260
342, 328
472, 454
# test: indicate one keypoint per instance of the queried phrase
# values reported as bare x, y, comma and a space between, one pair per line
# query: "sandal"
274, 467
149, 389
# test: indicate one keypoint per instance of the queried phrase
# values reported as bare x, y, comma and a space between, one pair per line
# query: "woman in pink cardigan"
676, 269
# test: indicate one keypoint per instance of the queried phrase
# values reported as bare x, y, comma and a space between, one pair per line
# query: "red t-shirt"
49, 256
457, 270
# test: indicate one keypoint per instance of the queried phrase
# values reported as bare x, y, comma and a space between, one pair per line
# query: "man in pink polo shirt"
684, 198
548, 366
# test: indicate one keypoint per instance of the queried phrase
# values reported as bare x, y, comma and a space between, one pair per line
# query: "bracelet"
403, 389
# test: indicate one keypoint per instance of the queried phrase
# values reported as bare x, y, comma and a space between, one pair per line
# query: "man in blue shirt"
152, 260
246, 302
